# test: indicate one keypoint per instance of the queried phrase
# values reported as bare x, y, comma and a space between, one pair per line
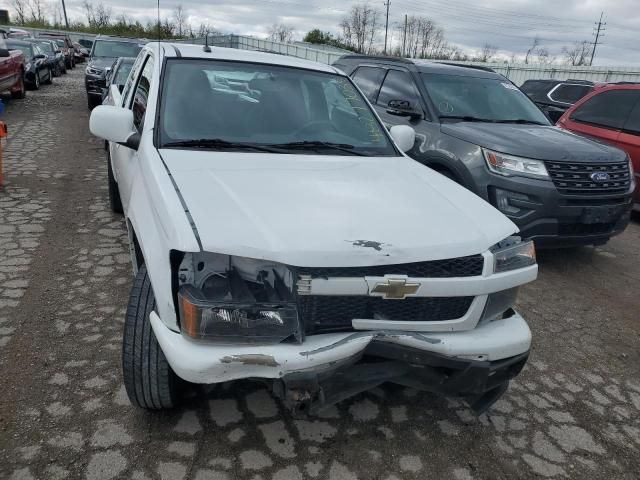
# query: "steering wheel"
314, 125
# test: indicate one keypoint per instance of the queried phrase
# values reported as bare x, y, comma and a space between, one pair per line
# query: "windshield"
46, 46
491, 99
123, 72
25, 49
247, 105
115, 49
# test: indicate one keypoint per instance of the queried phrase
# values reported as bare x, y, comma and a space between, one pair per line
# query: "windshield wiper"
466, 118
317, 145
218, 143
522, 121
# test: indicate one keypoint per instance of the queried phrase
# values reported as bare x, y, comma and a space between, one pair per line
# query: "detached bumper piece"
479, 383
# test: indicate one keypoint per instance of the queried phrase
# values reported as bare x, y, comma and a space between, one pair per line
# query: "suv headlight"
512, 253
237, 299
93, 71
510, 165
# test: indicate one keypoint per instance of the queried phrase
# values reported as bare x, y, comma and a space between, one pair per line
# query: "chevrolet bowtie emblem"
395, 288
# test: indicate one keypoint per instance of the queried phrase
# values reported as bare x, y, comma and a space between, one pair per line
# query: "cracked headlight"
512, 253
510, 165
236, 299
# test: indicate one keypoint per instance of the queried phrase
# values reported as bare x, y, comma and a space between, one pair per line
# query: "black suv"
105, 51
477, 128
554, 97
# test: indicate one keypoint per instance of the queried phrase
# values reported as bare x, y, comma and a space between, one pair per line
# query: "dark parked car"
477, 128
86, 43
11, 69
611, 113
36, 68
80, 53
55, 58
66, 46
104, 53
115, 79
554, 97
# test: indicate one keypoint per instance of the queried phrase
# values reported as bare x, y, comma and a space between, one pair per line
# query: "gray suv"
477, 128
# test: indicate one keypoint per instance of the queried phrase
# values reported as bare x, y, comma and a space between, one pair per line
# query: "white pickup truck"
278, 231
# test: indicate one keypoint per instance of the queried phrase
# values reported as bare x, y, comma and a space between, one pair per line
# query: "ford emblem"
600, 177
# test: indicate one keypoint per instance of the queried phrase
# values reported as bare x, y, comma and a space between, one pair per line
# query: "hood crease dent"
332, 211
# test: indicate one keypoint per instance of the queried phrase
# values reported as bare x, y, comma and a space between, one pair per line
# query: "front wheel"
49, 80
36, 82
148, 378
114, 193
22, 91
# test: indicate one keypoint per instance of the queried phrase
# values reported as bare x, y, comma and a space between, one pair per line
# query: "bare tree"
578, 53
102, 16
280, 32
38, 9
532, 49
88, 8
487, 53
543, 56
360, 27
20, 7
180, 20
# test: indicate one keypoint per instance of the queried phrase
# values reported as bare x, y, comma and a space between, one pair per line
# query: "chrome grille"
575, 178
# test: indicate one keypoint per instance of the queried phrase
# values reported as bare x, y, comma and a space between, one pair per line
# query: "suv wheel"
36, 82
114, 193
149, 380
22, 91
49, 80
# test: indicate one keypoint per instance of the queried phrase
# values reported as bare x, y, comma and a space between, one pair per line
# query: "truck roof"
183, 50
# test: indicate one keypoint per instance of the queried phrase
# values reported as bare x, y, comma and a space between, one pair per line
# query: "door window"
632, 125
609, 109
398, 85
141, 95
569, 93
369, 80
137, 65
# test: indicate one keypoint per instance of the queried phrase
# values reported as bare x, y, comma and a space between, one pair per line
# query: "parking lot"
65, 276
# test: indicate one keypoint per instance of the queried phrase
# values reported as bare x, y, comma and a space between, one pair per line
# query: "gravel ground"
64, 281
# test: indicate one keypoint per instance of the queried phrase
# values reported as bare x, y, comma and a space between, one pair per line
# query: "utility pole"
386, 27
64, 10
600, 28
404, 40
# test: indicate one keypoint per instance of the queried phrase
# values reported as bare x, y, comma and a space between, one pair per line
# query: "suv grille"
575, 178
455, 267
330, 313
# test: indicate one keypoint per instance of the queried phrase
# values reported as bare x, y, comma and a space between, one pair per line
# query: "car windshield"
46, 46
103, 48
25, 49
490, 99
122, 73
247, 106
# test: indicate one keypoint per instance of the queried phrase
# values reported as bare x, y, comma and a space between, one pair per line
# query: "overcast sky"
510, 25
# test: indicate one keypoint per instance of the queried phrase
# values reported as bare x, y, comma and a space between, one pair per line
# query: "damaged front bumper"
327, 368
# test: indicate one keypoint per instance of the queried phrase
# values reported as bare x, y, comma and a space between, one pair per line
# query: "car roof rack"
378, 57
464, 65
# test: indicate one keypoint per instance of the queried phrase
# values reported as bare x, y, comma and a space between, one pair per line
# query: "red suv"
610, 113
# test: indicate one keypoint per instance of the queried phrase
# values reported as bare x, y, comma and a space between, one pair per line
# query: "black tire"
23, 90
149, 380
92, 102
64, 68
36, 82
49, 80
114, 193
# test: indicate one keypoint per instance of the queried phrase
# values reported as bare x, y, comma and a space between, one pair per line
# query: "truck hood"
332, 211
533, 141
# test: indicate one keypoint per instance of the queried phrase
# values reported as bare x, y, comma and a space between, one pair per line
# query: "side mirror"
4, 52
58, 51
40, 56
404, 136
402, 108
114, 124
